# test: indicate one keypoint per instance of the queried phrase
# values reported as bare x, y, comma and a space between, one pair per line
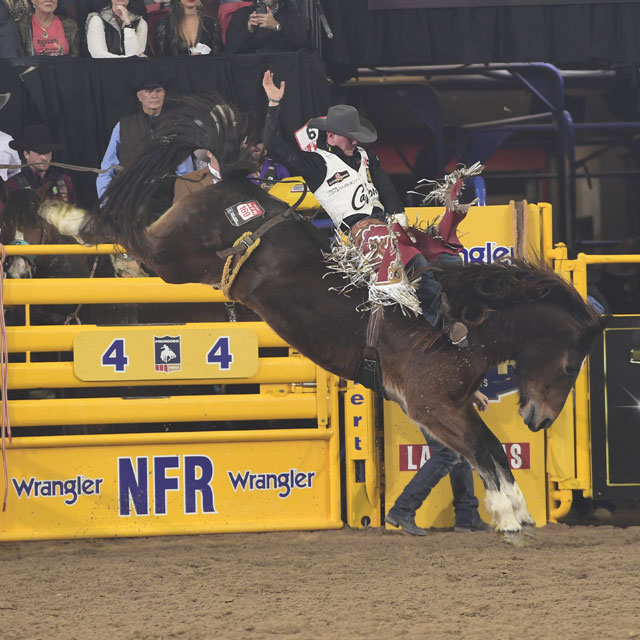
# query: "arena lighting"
630, 406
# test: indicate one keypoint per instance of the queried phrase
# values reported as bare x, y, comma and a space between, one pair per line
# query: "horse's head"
17, 267
547, 368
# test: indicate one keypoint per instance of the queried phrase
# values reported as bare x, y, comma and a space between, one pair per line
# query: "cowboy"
131, 132
351, 185
49, 183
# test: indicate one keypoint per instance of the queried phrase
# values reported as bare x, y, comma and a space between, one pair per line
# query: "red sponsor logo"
413, 456
248, 210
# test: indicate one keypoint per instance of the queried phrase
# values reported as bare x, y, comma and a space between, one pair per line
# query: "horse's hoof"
514, 538
529, 530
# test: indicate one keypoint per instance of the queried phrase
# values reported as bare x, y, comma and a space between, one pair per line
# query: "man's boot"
456, 331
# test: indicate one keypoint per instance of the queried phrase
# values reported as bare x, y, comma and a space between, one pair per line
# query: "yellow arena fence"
263, 457
242, 433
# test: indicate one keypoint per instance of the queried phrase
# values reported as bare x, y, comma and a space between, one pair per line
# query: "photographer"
269, 26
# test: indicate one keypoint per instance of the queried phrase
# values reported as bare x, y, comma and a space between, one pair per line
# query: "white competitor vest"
345, 191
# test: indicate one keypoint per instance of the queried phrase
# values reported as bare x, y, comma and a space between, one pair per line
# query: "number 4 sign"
115, 356
133, 353
220, 354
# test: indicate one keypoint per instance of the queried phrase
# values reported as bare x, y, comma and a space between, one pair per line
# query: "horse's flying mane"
478, 289
197, 122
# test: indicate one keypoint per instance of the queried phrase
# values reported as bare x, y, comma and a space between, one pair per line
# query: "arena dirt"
570, 582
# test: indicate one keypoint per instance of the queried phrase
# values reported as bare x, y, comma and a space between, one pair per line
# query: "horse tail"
197, 122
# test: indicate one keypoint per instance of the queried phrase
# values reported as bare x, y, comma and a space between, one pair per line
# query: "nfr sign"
138, 487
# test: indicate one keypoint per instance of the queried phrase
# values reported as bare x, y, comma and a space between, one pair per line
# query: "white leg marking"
519, 504
502, 515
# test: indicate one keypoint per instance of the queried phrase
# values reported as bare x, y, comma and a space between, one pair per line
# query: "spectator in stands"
131, 132
10, 12
443, 461
199, 179
37, 146
271, 26
117, 29
269, 171
188, 30
45, 34
7, 155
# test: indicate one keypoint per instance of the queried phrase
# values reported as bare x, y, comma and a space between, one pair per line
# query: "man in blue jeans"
443, 461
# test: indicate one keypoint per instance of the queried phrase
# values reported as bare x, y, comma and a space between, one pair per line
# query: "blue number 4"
115, 356
219, 354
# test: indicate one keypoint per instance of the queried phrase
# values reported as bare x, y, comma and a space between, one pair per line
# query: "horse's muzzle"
529, 415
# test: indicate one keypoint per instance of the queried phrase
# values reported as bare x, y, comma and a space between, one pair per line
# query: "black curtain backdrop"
80, 99
589, 36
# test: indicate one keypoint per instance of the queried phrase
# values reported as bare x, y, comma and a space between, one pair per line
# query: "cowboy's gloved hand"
401, 219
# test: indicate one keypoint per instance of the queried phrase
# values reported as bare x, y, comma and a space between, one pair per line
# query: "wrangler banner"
143, 484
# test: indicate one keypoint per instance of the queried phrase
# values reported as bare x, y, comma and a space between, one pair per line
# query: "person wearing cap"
37, 146
132, 131
351, 185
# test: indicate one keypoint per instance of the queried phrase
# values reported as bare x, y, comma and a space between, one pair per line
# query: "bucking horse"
234, 235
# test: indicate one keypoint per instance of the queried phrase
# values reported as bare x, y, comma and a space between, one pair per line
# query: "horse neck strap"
232, 265
249, 238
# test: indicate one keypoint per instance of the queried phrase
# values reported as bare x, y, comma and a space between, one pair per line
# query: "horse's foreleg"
465, 432
504, 498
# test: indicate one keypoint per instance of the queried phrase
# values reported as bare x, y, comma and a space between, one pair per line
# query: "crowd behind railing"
125, 28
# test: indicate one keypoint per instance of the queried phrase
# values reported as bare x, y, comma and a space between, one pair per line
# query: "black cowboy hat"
36, 137
345, 120
4, 98
150, 77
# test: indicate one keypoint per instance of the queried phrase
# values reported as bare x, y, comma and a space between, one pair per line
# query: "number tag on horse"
243, 212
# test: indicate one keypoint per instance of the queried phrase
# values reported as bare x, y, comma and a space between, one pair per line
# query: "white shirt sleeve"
135, 41
8, 156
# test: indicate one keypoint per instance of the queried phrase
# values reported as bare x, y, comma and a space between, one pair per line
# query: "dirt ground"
569, 582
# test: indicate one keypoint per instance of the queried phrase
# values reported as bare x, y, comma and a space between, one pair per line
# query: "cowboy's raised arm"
298, 162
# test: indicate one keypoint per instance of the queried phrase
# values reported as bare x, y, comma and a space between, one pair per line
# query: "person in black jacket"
271, 26
187, 30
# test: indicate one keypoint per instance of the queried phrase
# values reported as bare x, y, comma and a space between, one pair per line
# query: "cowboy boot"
456, 331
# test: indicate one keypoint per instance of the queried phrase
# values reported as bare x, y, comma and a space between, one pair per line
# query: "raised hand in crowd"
274, 91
